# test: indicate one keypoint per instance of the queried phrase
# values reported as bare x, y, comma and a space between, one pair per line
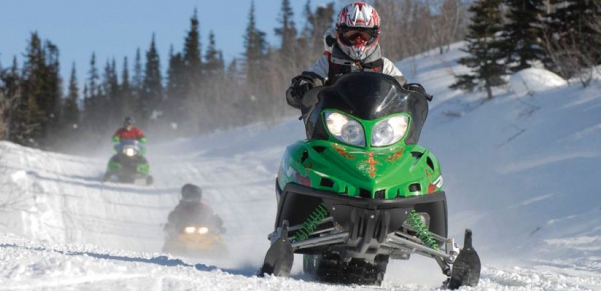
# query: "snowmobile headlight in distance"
203, 230
190, 229
129, 151
389, 130
345, 129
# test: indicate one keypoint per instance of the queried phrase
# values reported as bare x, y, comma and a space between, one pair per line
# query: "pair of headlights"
384, 133
192, 229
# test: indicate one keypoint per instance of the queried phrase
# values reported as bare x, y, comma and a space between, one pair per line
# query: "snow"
532, 80
520, 170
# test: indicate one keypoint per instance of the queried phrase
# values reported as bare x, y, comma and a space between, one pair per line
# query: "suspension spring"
421, 231
311, 223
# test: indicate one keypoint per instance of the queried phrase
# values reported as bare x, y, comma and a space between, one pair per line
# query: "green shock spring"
421, 231
311, 223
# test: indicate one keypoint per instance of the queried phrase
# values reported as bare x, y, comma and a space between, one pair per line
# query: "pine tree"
70, 114
192, 49
317, 24
93, 105
127, 101
214, 66
524, 33
287, 30
484, 46
10, 98
112, 103
573, 34
255, 51
138, 77
152, 92
177, 89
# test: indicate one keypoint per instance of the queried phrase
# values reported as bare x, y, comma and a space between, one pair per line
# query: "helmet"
191, 193
128, 122
358, 30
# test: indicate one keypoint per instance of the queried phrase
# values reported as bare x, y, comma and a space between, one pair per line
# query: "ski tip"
467, 240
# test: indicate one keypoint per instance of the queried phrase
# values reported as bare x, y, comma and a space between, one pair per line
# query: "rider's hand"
299, 87
143, 139
415, 87
115, 138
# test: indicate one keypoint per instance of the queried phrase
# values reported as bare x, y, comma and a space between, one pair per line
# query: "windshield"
367, 96
129, 143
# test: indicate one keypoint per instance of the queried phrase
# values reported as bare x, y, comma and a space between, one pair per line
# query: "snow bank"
528, 81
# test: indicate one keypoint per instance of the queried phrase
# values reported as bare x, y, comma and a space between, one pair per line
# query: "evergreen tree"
152, 91
255, 51
192, 49
485, 47
571, 36
70, 114
138, 77
112, 105
50, 99
287, 31
127, 101
10, 83
317, 24
177, 89
523, 32
214, 66
92, 104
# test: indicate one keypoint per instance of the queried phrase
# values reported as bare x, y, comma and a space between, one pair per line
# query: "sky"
520, 170
116, 29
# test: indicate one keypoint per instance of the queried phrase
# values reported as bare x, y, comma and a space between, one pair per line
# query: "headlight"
190, 229
345, 129
389, 131
203, 230
130, 152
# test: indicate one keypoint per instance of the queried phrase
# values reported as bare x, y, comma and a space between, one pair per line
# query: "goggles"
359, 33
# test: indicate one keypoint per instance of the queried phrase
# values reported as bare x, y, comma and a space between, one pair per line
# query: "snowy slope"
520, 170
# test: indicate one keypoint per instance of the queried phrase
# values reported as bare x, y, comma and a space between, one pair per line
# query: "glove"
299, 87
115, 138
415, 87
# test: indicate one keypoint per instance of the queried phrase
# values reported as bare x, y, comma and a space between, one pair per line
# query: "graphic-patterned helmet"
358, 30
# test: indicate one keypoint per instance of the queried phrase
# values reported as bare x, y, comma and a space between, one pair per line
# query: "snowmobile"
129, 163
360, 191
197, 238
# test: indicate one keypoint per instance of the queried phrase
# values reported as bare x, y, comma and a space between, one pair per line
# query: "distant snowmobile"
360, 190
193, 228
129, 163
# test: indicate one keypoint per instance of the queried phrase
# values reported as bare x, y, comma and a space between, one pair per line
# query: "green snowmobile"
360, 191
129, 163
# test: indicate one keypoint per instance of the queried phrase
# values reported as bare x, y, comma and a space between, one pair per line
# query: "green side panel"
144, 168
385, 173
112, 166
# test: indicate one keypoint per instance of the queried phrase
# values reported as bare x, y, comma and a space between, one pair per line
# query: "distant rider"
191, 210
353, 46
129, 131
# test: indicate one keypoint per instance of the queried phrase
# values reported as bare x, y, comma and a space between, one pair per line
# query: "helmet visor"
354, 34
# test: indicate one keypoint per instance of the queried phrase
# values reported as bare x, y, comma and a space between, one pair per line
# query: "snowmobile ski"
280, 256
466, 268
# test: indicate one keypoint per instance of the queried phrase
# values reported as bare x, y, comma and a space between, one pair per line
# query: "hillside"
520, 170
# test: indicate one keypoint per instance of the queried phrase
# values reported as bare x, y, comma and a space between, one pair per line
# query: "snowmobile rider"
129, 131
353, 46
190, 210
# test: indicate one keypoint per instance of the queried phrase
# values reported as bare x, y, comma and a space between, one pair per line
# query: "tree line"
198, 92
506, 36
